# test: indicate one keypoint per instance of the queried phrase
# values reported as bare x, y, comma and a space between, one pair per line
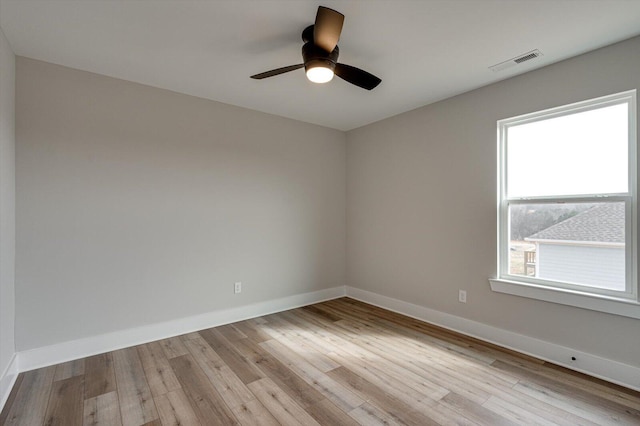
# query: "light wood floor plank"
332, 390
579, 385
439, 372
541, 408
574, 400
156, 367
254, 413
134, 396
253, 330
592, 385
173, 347
447, 339
474, 411
99, 375
327, 413
175, 410
69, 369
243, 368
370, 367
394, 407
370, 415
102, 410
581, 407
516, 413
279, 404
227, 383
208, 405
299, 390
66, 402
231, 333
314, 353
471, 376
417, 343
189, 336
407, 357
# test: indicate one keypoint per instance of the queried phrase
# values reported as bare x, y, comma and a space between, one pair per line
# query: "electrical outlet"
237, 288
462, 296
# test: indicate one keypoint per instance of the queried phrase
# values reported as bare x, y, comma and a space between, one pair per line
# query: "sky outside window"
576, 154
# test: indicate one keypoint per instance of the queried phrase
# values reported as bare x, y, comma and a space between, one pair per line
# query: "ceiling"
424, 51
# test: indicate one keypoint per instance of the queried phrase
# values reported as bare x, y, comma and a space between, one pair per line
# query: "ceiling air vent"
516, 61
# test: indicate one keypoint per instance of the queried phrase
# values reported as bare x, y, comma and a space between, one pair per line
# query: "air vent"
516, 61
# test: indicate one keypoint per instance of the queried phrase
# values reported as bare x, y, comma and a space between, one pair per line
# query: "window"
567, 205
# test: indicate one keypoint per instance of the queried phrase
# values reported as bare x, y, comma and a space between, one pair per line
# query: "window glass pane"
576, 154
576, 243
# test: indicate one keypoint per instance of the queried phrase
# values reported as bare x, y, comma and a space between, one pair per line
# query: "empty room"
354, 212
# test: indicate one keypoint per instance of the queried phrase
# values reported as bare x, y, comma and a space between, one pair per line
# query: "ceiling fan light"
319, 74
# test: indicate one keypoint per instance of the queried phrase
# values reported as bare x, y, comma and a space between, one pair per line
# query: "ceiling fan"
320, 54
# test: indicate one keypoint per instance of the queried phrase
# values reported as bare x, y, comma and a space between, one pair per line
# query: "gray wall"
137, 205
7, 203
421, 212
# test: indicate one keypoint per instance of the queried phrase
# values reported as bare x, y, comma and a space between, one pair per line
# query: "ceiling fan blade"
277, 71
327, 29
357, 76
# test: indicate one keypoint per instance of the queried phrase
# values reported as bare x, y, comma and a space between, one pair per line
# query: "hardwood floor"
340, 362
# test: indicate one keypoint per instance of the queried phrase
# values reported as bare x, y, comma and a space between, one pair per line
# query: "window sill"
611, 305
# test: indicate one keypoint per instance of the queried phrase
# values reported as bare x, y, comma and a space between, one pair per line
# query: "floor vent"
516, 61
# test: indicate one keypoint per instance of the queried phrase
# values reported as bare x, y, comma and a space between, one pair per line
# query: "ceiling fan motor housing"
315, 56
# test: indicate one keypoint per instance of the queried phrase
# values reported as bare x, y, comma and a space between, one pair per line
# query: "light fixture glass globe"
319, 74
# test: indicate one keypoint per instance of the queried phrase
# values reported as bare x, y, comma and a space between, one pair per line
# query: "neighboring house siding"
600, 267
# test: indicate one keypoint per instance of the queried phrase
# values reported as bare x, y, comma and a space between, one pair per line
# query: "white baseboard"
8, 379
612, 371
67, 351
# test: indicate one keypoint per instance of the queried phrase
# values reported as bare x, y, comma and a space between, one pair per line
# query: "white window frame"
624, 303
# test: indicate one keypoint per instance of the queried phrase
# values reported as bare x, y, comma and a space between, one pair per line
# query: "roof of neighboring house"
602, 223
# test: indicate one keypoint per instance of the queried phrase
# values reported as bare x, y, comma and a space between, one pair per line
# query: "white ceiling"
424, 51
